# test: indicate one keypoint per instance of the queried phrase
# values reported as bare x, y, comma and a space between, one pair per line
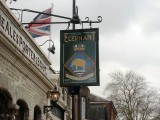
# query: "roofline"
104, 102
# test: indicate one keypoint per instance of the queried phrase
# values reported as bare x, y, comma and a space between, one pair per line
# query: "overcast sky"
129, 37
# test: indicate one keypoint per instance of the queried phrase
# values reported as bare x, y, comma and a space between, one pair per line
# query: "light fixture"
51, 49
54, 96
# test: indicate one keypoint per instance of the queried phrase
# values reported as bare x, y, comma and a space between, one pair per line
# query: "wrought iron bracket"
74, 20
46, 109
46, 41
51, 49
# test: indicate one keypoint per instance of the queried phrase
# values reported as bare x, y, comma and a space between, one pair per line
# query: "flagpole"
50, 35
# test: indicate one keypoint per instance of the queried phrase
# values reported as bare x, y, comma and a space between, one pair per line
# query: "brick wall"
20, 86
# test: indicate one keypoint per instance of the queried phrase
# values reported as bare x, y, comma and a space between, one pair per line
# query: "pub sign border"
79, 57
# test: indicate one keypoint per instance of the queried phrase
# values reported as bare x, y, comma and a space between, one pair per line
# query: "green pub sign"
79, 63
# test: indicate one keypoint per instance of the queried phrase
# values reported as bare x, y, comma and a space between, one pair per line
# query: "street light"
54, 95
51, 49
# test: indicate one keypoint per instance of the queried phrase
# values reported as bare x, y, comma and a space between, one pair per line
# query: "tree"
132, 97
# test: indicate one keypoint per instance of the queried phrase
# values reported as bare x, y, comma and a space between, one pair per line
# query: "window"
3, 106
64, 94
37, 113
23, 111
83, 108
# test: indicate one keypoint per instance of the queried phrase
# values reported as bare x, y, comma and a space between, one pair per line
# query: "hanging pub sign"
79, 63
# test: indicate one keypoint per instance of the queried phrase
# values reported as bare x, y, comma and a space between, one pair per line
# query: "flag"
37, 30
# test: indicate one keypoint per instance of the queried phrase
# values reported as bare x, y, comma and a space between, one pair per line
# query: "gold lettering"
93, 34
84, 37
89, 37
65, 37
76, 37
73, 38
79, 37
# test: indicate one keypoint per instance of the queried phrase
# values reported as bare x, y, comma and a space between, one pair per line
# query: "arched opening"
37, 113
23, 111
5, 100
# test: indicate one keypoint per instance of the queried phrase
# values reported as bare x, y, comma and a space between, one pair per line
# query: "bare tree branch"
132, 97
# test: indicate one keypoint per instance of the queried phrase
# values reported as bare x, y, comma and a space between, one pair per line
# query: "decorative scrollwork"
99, 18
87, 19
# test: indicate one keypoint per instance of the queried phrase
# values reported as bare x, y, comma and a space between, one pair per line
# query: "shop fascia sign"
13, 34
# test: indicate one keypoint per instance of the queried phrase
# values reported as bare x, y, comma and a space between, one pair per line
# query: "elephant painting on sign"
79, 63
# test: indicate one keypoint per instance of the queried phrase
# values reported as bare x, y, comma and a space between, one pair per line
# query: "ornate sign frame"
79, 57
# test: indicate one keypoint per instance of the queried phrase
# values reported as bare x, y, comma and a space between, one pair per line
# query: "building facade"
101, 109
84, 105
25, 75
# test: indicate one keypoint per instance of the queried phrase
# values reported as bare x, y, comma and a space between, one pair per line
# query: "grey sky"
129, 34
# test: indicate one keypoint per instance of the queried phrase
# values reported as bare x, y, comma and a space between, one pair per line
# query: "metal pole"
73, 27
74, 11
72, 106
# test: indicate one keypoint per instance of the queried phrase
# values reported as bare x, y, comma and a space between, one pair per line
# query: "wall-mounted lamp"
54, 96
51, 49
